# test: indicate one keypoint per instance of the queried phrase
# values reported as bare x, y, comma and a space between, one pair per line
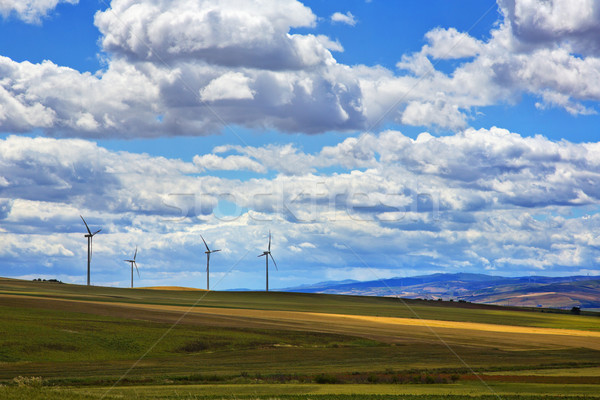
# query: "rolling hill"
63, 341
539, 291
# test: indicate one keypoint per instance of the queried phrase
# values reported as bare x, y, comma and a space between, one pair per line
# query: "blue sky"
373, 139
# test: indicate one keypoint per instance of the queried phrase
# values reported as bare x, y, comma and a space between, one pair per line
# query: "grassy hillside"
276, 344
555, 292
339, 304
581, 293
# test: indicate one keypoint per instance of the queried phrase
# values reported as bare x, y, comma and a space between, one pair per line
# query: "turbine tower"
208, 251
89, 237
132, 264
268, 254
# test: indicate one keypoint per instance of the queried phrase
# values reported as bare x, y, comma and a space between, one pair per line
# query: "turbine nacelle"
89, 234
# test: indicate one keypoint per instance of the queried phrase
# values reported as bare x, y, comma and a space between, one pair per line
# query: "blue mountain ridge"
557, 292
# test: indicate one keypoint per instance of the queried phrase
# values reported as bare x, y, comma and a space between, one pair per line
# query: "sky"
373, 139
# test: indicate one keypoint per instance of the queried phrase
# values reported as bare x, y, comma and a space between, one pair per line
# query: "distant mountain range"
538, 291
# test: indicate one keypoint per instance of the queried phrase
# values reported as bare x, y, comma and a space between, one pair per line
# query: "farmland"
139, 343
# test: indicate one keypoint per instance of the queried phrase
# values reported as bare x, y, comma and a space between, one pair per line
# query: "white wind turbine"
132, 264
268, 254
89, 237
208, 251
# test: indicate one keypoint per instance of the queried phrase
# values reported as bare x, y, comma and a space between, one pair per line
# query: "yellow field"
471, 326
579, 372
386, 329
181, 288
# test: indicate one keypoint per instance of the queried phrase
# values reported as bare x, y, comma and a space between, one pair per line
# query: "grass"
258, 345
308, 391
312, 392
41, 335
352, 305
78, 348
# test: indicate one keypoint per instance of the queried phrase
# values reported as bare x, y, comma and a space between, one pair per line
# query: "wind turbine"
132, 264
208, 251
268, 254
89, 237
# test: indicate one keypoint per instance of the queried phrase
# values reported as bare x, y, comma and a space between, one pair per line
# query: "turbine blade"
86, 225
136, 268
207, 249
269, 240
96, 232
274, 261
214, 251
262, 255
135, 254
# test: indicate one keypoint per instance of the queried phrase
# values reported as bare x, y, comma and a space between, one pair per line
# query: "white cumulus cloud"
449, 44
346, 18
191, 67
473, 200
232, 85
30, 11
222, 32
541, 22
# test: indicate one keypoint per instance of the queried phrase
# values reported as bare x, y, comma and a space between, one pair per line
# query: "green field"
92, 343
